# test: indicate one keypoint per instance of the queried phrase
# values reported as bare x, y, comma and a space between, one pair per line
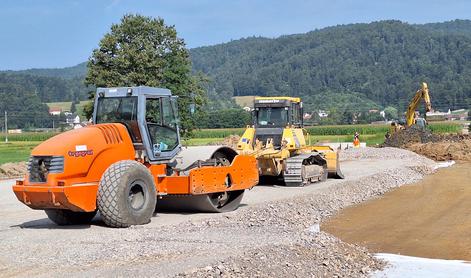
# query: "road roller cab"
130, 157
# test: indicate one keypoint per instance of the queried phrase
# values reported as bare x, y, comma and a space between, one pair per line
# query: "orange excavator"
129, 161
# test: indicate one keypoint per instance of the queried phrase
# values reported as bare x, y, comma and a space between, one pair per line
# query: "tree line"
347, 67
346, 70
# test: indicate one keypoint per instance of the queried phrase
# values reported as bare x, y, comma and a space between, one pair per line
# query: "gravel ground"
382, 153
275, 237
307, 252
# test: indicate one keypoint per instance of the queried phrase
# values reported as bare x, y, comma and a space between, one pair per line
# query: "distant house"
323, 113
455, 115
15, 131
458, 115
55, 111
72, 119
437, 116
307, 116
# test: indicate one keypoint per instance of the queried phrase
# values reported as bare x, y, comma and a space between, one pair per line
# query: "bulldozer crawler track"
294, 174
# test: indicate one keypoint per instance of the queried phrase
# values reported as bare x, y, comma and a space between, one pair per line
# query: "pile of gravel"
382, 153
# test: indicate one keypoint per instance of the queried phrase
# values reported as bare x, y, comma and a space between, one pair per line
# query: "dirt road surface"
429, 219
273, 234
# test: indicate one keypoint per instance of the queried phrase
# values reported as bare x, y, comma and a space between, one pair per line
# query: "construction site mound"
439, 147
231, 141
410, 136
12, 170
446, 150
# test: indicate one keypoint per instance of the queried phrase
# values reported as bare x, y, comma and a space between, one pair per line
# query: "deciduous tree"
144, 51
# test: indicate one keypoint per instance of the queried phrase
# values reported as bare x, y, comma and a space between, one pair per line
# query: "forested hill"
77, 71
382, 62
48, 89
457, 27
349, 67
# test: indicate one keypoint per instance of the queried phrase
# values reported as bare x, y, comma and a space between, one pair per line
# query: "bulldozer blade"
336, 173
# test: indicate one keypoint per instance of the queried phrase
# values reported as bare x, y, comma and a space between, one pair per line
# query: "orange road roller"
130, 162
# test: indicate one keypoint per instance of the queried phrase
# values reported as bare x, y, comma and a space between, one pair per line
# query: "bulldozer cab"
278, 112
272, 115
149, 115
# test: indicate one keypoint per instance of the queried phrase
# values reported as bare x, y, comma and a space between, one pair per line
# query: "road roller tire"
126, 195
63, 217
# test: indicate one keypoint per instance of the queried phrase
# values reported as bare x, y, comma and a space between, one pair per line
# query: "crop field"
20, 145
28, 136
16, 151
336, 132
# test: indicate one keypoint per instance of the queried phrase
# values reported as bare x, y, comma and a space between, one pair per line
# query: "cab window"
161, 124
121, 110
272, 116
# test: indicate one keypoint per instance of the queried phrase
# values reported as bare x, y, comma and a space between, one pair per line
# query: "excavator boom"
422, 93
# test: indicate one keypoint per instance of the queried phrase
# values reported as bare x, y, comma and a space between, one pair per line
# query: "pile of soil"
446, 150
231, 141
439, 147
12, 170
410, 136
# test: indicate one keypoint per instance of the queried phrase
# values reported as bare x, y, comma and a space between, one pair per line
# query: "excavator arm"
422, 93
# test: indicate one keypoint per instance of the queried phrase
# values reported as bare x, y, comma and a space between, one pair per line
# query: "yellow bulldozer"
281, 145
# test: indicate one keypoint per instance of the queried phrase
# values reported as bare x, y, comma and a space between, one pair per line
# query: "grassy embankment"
20, 145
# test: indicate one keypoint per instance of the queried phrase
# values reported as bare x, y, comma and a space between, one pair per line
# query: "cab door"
160, 123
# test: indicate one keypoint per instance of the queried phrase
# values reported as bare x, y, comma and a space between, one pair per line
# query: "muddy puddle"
430, 219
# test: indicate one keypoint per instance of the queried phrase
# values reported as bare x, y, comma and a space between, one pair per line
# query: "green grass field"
16, 151
370, 139
21, 145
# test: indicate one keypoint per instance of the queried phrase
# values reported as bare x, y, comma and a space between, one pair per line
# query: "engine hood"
81, 148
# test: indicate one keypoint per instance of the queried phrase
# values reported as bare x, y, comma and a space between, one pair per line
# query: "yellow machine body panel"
277, 138
292, 99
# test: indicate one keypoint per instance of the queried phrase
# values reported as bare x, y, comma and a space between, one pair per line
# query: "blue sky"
47, 33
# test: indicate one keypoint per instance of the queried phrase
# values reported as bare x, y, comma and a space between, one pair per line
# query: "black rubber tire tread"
113, 193
63, 217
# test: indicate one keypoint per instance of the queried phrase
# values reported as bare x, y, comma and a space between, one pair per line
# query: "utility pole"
6, 126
